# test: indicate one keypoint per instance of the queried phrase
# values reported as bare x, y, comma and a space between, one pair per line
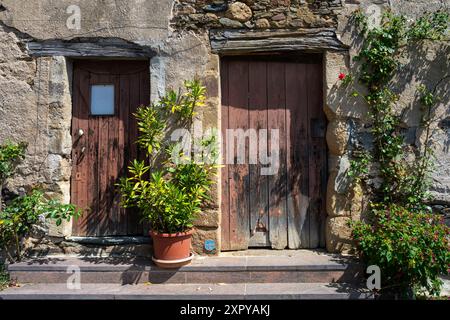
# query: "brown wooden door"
285, 209
104, 131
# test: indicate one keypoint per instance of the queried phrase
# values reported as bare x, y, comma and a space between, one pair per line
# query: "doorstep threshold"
109, 240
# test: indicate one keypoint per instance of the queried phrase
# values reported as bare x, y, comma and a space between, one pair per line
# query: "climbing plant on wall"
401, 236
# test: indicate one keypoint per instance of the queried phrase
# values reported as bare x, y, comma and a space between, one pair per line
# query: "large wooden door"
285, 209
104, 131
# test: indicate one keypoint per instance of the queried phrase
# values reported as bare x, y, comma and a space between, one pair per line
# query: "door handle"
77, 136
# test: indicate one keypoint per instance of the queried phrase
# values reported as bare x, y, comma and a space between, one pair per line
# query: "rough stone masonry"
36, 95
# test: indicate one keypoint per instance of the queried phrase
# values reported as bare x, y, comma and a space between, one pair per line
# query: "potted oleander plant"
171, 186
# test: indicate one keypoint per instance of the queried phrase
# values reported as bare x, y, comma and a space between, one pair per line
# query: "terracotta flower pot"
171, 250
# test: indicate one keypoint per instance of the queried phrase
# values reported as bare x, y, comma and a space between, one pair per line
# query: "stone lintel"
241, 41
111, 48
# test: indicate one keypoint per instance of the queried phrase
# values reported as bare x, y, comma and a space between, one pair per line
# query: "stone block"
262, 23
337, 136
200, 238
349, 203
239, 11
338, 235
230, 23
58, 168
211, 82
60, 142
208, 218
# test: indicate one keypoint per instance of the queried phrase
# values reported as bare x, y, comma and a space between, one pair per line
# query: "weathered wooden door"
104, 131
285, 208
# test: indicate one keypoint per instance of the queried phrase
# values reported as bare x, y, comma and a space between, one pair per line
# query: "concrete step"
240, 291
303, 267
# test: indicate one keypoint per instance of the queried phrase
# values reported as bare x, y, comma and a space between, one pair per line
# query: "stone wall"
36, 108
35, 92
349, 126
255, 14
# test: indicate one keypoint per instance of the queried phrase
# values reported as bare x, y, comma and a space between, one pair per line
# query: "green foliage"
183, 105
20, 214
151, 128
10, 154
359, 165
379, 57
432, 26
4, 277
18, 217
171, 197
347, 79
409, 245
379, 49
427, 98
411, 248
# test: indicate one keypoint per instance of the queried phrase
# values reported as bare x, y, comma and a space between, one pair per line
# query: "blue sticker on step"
210, 245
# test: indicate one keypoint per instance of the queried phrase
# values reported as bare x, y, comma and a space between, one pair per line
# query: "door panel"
102, 152
238, 174
277, 182
285, 209
259, 184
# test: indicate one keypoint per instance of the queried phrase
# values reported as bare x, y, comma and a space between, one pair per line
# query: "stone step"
102, 247
309, 267
240, 291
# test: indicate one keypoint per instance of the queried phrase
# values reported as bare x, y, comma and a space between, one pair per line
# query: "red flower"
341, 76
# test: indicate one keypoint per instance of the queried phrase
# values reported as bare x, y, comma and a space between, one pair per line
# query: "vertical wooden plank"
277, 182
258, 186
297, 123
85, 167
144, 90
103, 213
317, 158
238, 173
124, 147
76, 152
225, 187
134, 89
114, 227
81, 161
92, 226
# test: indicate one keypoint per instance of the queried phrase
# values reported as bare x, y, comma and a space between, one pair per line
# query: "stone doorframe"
341, 203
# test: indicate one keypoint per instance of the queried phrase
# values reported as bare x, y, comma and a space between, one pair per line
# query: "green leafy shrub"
411, 248
20, 214
18, 217
169, 193
10, 155
4, 277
